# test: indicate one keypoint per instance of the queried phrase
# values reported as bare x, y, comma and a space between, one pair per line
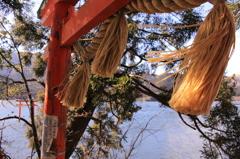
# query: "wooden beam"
88, 16
45, 11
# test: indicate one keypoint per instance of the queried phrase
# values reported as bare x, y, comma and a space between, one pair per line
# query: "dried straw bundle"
110, 51
74, 94
204, 62
78, 87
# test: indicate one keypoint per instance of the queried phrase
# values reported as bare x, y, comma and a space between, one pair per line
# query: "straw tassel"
111, 49
200, 73
74, 94
77, 89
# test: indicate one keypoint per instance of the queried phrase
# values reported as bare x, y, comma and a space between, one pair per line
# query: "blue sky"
234, 63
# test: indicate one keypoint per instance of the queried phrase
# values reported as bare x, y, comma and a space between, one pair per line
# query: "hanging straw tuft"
74, 94
111, 49
200, 73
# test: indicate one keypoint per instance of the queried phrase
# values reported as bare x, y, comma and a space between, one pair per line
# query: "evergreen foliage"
234, 6
222, 138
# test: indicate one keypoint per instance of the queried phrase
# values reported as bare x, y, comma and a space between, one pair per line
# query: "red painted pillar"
59, 61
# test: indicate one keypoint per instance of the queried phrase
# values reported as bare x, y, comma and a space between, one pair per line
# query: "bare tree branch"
149, 92
16, 117
34, 129
212, 140
21, 82
133, 145
180, 115
144, 79
150, 32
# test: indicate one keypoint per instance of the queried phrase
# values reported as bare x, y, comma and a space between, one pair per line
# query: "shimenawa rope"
198, 76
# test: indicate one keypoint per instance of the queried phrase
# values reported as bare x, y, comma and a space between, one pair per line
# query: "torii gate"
67, 27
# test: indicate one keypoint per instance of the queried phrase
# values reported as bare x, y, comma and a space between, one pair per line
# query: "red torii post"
67, 27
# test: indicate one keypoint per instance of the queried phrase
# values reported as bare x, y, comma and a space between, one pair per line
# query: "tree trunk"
78, 125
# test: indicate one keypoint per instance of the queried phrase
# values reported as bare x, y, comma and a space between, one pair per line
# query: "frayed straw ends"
201, 71
78, 87
110, 51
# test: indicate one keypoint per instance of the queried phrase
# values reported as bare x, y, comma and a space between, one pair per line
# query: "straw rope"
200, 73
105, 64
74, 94
162, 6
145, 6
112, 46
198, 76
101, 66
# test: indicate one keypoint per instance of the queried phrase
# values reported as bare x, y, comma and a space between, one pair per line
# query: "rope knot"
81, 52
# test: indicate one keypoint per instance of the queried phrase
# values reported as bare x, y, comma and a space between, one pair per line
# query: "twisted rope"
111, 49
144, 6
162, 6
74, 94
204, 62
200, 73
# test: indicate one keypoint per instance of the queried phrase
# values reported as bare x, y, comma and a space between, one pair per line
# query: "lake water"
166, 136
13, 140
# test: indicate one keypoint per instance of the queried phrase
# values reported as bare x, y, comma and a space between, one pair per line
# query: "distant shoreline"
236, 98
143, 99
